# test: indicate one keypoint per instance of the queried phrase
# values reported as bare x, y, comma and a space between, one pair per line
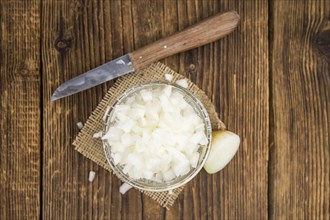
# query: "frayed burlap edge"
92, 148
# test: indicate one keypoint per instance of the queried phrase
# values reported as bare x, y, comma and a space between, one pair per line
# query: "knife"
206, 31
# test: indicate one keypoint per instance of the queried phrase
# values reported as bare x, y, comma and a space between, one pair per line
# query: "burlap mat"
92, 147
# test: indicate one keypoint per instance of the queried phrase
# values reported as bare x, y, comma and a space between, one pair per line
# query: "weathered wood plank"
77, 36
300, 160
243, 86
20, 109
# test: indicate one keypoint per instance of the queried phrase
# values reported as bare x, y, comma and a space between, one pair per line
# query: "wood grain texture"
299, 162
78, 37
20, 147
281, 111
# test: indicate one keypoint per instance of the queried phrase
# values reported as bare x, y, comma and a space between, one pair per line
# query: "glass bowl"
149, 185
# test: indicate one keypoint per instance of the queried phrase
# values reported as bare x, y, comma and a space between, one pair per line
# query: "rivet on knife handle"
202, 33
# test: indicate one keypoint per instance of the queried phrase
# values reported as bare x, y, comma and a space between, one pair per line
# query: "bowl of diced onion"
157, 136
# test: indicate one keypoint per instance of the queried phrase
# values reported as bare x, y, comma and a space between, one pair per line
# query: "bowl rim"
166, 187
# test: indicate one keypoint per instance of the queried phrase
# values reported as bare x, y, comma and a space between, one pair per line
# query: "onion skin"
223, 148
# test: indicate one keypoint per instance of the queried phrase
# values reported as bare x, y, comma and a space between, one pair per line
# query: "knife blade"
206, 31
108, 71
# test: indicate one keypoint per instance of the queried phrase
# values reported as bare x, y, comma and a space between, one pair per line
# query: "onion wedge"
223, 148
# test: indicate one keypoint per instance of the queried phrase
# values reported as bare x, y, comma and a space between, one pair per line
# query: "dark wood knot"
192, 71
63, 44
28, 69
323, 40
24, 72
192, 67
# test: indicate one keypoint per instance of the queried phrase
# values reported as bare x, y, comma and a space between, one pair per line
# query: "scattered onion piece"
91, 176
182, 82
98, 134
168, 77
124, 188
80, 125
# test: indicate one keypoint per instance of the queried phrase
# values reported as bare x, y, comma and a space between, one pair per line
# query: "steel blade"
108, 71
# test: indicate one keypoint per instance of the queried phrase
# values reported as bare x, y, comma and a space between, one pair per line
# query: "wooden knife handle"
206, 31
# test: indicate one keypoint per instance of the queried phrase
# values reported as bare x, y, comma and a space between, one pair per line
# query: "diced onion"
168, 77
91, 176
182, 82
80, 125
156, 135
97, 135
124, 188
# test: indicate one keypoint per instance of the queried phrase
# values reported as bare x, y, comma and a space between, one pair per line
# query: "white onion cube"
168, 77
181, 169
91, 176
146, 95
182, 82
169, 175
194, 159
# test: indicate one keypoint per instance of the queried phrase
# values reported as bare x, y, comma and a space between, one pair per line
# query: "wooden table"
269, 81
